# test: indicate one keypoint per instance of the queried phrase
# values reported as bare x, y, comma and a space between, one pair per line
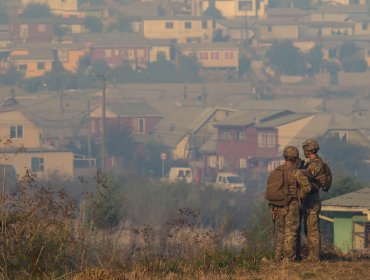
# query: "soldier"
312, 203
287, 218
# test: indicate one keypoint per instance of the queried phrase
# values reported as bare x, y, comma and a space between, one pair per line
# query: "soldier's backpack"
326, 177
277, 186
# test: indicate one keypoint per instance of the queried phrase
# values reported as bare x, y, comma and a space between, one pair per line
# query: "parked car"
230, 181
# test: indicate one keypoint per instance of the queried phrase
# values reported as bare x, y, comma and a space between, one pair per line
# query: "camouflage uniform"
311, 209
287, 219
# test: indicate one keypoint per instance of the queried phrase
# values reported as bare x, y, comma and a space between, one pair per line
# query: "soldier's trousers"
287, 223
311, 211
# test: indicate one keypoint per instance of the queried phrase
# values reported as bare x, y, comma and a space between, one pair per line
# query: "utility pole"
88, 129
102, 146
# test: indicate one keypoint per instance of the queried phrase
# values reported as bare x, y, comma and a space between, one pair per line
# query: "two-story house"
213, 55
247, 143
31, 30
134, 49
32, 61
62, 7
184, 29
138, 116
34, 137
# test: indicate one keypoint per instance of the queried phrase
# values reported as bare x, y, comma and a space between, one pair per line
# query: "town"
190, 92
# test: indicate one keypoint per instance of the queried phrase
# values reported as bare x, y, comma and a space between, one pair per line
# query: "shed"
350, 215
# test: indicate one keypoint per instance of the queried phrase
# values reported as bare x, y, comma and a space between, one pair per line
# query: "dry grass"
324, 270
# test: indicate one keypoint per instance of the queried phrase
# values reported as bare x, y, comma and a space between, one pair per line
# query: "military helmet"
310, 145
290, 152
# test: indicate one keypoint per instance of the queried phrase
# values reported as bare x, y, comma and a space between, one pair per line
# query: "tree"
349, 58
314, 58
354, 64
36, 10
188, 69
122, 23
123, 74
11, 77
350, 159
161, 71
94, 24
151, 161
342, 185
121, 143
244, 66
347, 49
212, 11
286, 59
99, 67
162, 12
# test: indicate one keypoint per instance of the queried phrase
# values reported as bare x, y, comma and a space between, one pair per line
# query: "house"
138, 116
184, 29
350, 216
32, 61
337, 13
69, 55
277, 29
186, 129
237, 8
288, 14
62, 7
244, 144
238, 29
36, 132
117, 49
31, 30
213, 55
135, 118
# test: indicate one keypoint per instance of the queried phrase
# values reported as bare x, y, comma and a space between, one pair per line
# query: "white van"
178, 174
230, 181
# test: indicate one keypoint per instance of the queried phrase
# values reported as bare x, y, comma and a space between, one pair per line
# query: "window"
212, 161
187, 25
41, 27
241, 136
169, 25
108, 53
243, 163
16, 131
141, 126
245, 5
266, 140
37, 164
262, 140
225, 136
40, 65
271, 140
204, 24
221, 162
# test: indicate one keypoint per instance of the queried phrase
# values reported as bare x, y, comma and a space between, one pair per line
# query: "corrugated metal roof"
133, 108
360, 198
283, 120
